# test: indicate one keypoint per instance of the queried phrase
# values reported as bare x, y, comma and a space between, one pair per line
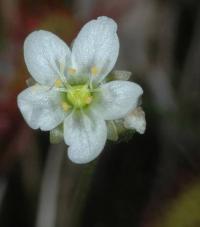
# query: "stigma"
79, 96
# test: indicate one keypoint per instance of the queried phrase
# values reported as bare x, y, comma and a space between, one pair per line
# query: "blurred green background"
151, 180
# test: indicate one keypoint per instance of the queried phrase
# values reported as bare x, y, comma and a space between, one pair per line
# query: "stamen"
62, 68
61, 71
58, 83
94, 70
71, 71
60, 89
65, 106
88, 100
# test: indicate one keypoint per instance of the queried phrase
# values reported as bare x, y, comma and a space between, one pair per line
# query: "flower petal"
43, 52
40, 107
85, 135
96, 47
117, 98
136, 120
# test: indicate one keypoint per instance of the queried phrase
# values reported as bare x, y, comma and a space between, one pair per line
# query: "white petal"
86, 136
40, 107
136, 120
43, 53
117, 98
96, 45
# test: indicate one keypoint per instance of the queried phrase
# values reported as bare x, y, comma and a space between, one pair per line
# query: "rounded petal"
136, 120
40, 107
117, 98
44, 53
86, 136
96, 48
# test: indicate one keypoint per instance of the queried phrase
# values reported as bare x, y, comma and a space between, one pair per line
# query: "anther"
71, 71
88, 100
94, 70
58, 83
65, 106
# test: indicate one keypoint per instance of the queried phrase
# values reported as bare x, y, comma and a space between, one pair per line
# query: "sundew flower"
72, 96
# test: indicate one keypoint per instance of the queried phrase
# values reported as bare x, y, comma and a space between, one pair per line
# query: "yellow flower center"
79, 96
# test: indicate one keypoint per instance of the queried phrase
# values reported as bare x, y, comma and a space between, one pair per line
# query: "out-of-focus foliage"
184, 210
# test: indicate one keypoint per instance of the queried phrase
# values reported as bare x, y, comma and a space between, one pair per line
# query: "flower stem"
48, 198
81, 194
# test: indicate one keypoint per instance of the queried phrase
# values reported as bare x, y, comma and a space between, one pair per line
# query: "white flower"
71, 88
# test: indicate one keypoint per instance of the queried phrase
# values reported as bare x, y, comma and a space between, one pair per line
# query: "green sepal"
127, 135
112, 131
56, 134
118, 75
30, 82
117, 131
